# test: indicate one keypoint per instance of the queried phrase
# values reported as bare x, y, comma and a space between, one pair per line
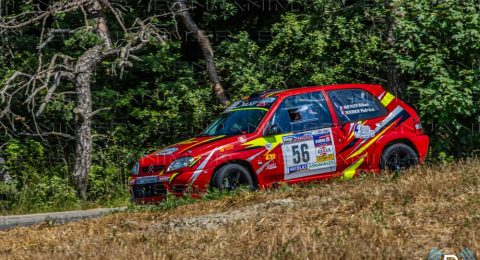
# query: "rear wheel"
398, 157
233, 176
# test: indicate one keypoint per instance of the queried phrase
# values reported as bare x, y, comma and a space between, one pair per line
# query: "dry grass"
372, 216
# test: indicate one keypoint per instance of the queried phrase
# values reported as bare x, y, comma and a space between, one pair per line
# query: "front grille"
179, 188
149, 190
152, 169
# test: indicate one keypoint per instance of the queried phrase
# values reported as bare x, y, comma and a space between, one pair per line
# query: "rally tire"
398, 157
232, 176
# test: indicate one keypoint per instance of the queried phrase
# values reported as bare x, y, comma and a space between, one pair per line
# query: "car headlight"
136, 169
180, 163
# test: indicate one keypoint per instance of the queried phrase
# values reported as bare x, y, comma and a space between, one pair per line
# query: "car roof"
300, 90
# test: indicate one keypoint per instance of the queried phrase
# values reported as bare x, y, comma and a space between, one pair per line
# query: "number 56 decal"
300, 154
308, 153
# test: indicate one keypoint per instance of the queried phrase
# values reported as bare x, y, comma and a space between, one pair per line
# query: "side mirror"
272, 130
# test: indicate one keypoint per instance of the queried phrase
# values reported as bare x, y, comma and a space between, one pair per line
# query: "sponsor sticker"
253, 102
266, 101
324, 158
363, 131
322, 140
272, 166
225, 148
270, 156
242, 139
297, 168
147, 180
308, 153
269, 146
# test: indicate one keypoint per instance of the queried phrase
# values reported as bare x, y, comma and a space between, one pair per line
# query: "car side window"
302, 113
355, 104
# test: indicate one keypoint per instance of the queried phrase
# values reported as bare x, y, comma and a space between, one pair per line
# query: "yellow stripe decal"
172, 177
387, 98
273, 93
196, 159
262, 141
351, 135
352, 169
204, 141
364, 147
189, 141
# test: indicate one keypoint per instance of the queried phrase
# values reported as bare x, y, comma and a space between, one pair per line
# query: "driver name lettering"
356, 109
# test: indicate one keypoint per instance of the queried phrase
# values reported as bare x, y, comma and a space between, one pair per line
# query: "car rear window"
355, 104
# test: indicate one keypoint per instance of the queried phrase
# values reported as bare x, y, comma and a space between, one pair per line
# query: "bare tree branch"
206, 47
42, 85
51, 35
15, 22
44, 134
117, 15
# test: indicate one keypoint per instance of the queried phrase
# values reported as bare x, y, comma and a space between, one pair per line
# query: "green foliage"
436, 51
306, 49
24, 157
8, 195
220, 10
165, 96
103, 182
440, 52
82, 39
34, 186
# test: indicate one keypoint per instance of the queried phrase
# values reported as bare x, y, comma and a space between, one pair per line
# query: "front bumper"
154, 188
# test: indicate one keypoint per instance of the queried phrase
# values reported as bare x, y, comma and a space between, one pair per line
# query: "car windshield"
242, 117
236, 122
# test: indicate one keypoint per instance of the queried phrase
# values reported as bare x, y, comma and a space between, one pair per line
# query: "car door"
359, 116
307, 149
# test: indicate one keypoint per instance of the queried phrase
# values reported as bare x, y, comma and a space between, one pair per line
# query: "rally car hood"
194, 147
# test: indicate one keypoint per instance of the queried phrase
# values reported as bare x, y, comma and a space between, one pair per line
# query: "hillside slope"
386, 216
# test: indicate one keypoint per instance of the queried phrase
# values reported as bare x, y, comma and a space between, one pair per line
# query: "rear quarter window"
355, 104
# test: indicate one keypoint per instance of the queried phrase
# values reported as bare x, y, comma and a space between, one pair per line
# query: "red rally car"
294, 135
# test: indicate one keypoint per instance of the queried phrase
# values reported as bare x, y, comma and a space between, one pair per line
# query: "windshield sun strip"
248, 108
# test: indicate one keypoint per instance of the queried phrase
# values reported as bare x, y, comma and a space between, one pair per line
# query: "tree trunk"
84, 69
207, 50
392, 75
83, 122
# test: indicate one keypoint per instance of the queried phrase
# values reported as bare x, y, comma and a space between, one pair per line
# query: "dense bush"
35, 184
436, 54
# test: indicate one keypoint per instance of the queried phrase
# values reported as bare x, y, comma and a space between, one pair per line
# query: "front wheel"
233, 176
398, 157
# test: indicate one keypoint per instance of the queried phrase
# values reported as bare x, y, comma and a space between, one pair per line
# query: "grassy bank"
388, 216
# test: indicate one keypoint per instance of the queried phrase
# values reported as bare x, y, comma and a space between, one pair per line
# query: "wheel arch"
401, 141
241, 162
389, 141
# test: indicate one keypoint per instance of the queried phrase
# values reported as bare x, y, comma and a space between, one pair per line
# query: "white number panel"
308, 153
